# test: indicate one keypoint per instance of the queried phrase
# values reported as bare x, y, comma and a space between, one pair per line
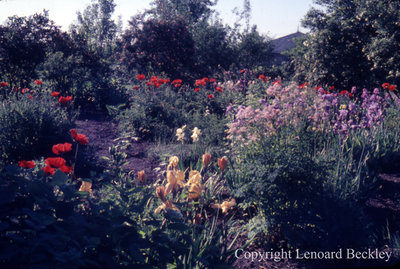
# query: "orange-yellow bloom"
173, 161
195, 191
225, 206
176, 180
194, 177
86, 186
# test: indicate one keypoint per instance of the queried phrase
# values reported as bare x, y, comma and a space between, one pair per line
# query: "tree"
24, 42
97, 28
159, 46
254, 50
351, 43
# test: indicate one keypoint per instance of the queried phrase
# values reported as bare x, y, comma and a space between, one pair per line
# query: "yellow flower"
206, 159
194, 177
142, 177
196, 133
225, 206
166, 205
176, 180
173, 161
86, 186
180, 133
222, 163
195, 191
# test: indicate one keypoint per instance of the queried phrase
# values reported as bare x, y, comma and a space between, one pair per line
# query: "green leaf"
59, 178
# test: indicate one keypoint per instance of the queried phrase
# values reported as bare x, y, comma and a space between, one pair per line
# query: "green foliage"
97, 28
31, 126
24, 42
156, 113
351, 43
159, 46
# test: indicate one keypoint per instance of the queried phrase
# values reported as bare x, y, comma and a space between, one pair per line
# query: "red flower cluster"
263, 78
26, 164
196, 89
3, 84
346, 93
38, 82
304, 85
80, 138
212, 80
331, 88
55, 94
177, 83
211, 96
56, 162
201, 82
157, 82
389, 86
277, 82
61, 148
218, 89
64, 100
140, 77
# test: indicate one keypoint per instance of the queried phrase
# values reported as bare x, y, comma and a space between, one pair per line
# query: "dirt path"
102, 132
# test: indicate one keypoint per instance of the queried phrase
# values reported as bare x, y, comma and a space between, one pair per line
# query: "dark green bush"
156, 113
29, 127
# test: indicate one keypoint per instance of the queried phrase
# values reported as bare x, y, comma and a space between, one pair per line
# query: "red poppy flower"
197, 89
263, 78
177, 81
38, 82
81, 139
55, 94
26, 164
63, 100
30, 97
350, 95
135, 87
242, 71
55, 162
317, 88
49, 170
218, 89
61, 148
392, 87
148, 83
331, 88
140, 77
277, 82
211, 96
385, 85
211, 80
202, 81
3, 84
66, 169
74, 133
344, 92
24, 90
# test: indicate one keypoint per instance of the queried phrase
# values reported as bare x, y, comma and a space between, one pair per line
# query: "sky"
274, 18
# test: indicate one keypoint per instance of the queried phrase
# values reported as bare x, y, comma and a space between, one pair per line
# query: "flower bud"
160, 191
222, 163
206, 159
142, 177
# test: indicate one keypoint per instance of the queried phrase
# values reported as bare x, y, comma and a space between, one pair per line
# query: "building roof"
285, 43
